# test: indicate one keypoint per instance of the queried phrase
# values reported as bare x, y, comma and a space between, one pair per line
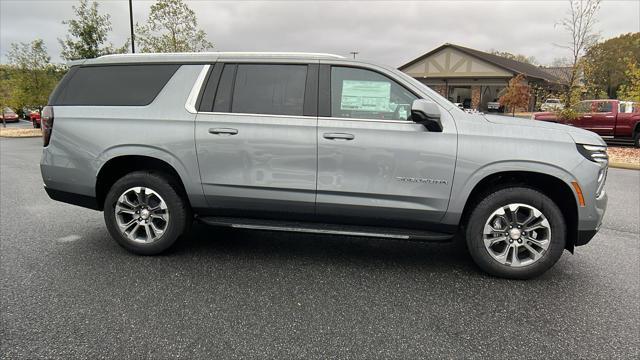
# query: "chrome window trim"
366, 120
190, 105
306, 117
260, 115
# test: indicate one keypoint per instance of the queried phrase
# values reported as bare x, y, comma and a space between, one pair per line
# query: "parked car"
613, 120
551, 105
495, 106
9, 115
314, 143
35, 118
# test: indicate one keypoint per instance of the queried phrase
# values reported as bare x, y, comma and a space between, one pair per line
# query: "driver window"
364, 94
583, 107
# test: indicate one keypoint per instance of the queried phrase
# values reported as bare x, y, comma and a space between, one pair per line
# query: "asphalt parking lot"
19, 124
68, 291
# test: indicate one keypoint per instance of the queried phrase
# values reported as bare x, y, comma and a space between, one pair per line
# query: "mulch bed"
625, 157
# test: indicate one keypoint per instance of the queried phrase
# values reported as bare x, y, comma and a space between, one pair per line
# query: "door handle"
587, 116
338, 136
223, 131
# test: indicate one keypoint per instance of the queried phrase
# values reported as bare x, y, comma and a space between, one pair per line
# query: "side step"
330, 229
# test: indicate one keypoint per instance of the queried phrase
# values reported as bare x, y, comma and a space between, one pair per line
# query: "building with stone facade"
472, 77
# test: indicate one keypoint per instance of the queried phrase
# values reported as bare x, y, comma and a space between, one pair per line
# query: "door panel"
262, 165
383, 173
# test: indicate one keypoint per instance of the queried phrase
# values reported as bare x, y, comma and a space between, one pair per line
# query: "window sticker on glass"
365, 95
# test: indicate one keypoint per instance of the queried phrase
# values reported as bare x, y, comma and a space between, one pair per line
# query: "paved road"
69, 291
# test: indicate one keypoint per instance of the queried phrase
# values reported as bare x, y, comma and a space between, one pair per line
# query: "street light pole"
133, 46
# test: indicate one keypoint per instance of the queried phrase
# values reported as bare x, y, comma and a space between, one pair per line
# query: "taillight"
46, 121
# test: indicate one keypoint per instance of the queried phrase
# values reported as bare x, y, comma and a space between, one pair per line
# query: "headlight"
597, 154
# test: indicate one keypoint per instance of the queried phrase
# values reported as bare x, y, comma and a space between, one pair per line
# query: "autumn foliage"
516, 94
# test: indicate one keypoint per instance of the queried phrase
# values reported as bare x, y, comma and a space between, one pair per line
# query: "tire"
520, 262
636, 140
154, 235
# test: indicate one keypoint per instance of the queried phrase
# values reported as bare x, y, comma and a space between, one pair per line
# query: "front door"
375, 166
603, 118
256, 140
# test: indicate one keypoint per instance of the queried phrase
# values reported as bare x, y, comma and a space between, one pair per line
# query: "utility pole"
133, 46
354, 53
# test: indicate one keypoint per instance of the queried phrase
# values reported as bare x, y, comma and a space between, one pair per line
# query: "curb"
624, 166
19, 137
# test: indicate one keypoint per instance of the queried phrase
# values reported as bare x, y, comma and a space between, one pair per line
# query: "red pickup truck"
612, 119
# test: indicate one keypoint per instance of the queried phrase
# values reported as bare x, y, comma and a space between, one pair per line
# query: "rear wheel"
145, 213
516, 233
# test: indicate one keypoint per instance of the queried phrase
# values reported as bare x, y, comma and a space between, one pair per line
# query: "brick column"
440, 89
475, 97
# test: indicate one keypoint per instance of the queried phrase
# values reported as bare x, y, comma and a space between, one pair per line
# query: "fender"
461, 190
188, 173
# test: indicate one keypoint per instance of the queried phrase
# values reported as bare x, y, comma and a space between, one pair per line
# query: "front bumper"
586, 233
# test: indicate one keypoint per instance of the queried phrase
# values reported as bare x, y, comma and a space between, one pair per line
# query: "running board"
327, 229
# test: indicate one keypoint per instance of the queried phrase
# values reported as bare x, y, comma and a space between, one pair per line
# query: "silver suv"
314, 143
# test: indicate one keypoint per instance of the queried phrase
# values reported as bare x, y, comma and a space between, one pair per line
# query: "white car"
551, 105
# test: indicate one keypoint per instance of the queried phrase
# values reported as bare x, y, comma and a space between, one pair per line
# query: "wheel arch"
553, 186
120, 165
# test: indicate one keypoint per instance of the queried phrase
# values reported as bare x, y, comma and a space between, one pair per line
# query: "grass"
20, 132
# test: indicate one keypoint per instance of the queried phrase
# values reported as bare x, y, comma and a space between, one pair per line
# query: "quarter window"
364, 94
129, 85
269, 89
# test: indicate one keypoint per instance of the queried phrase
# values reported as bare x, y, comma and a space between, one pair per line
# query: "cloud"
391, 33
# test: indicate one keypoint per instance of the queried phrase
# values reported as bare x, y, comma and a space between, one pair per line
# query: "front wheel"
516, 233
636, 140
145, 213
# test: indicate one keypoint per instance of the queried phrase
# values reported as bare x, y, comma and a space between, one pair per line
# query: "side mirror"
426, 113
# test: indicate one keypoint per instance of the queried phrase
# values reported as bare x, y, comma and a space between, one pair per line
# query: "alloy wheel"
142, 215
517, 235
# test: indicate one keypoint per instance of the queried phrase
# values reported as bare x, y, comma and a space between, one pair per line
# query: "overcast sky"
388, 32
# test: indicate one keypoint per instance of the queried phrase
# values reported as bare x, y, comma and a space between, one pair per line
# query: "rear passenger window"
603, 107
222, 101
128, 85
268, 89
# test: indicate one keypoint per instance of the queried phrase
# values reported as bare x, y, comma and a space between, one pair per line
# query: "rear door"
256, 139
375, 166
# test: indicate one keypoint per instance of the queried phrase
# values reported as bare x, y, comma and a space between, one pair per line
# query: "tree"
560, 62
32, 76
171, 27
579, 23
516, 94
5, 88
631, 90
88, 34
606, 64
517, 57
